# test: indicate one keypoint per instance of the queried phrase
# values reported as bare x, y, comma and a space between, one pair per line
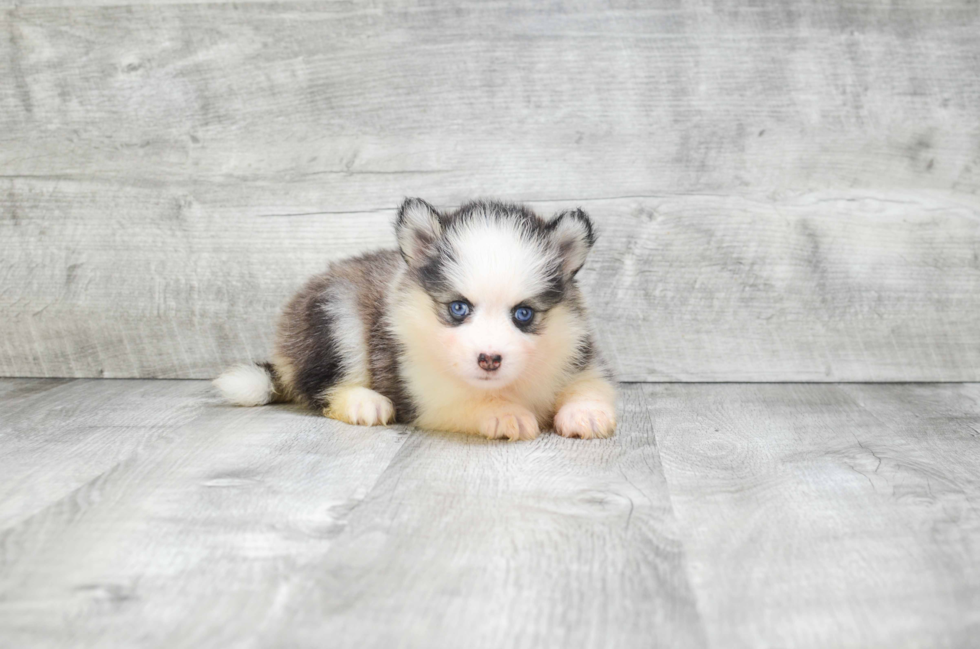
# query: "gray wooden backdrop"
786, 191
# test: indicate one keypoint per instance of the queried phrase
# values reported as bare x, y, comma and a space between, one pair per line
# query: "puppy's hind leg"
355, 404
333, 367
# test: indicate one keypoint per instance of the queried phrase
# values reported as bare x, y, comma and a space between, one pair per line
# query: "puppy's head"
491, 273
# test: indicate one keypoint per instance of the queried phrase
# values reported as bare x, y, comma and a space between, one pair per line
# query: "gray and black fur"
307, 334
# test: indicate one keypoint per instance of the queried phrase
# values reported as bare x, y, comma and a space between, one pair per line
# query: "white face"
487, 331
486, 275
497, 277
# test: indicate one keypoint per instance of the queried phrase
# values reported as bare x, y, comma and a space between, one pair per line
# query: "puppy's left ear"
418, 229
574, 234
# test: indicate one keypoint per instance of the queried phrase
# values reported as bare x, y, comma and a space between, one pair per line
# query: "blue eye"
459, 309
523, 314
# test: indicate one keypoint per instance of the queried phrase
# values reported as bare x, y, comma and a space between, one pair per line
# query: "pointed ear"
573, 233
418, 229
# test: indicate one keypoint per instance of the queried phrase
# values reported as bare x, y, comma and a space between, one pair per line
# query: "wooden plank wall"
785, 191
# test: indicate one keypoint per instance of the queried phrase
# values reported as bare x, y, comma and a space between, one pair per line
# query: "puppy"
474, 325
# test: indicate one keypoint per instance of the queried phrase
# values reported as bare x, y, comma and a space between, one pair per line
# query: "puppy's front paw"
510, 422
586, 419
360, 406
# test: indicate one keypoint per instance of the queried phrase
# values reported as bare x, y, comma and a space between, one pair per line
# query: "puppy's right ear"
418, 229
575, 235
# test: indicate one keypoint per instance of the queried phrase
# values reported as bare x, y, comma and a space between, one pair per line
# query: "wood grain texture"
357, 104
818, 516
17, 4
269, 527
812, 287
58, 436
719, 515
468, 542
183, 540
168, 174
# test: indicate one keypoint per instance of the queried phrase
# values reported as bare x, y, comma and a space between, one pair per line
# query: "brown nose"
489, 362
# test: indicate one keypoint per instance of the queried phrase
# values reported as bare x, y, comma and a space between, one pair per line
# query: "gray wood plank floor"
146, 514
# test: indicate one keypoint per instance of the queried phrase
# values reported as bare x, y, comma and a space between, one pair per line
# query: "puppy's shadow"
459, 439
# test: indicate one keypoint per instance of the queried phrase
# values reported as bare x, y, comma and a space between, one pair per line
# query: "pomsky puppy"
474, 325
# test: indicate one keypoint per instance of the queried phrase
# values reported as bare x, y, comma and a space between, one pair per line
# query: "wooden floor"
146, 514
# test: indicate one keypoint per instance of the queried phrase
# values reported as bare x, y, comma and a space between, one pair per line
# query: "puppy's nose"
489, 362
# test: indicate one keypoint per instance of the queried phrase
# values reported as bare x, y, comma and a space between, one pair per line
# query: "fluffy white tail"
246, 385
